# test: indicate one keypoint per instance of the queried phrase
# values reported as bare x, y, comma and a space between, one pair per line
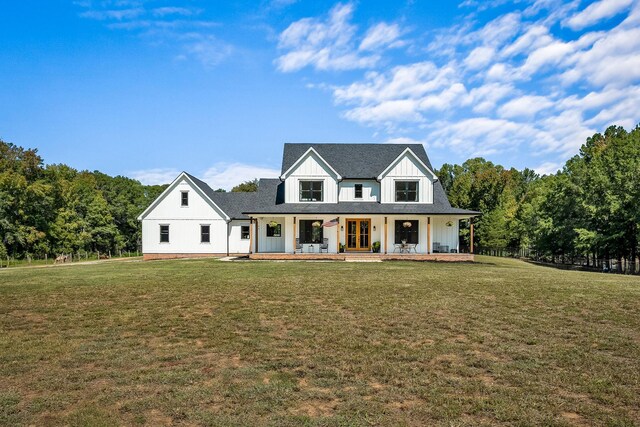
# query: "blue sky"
147, 88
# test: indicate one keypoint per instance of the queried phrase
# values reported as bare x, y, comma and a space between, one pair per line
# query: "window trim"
355, 191
242, 227
310, 199
301, 228
399, 222
182, 199
273, 234
168, 233
406, 191
208, 233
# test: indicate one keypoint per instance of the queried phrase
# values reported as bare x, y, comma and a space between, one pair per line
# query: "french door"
358, 234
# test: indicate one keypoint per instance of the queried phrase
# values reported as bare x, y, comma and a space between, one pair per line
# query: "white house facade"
330, 199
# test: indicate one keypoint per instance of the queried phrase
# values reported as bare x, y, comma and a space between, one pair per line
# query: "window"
407, 230
311, 231
205, 234
274, 230
164, 234
310, 191
358, 191
406, 191
244, 232
184, 200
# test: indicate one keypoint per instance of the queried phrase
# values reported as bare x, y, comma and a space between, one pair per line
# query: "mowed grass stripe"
204, 342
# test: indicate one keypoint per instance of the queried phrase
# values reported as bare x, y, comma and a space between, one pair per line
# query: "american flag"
331, 223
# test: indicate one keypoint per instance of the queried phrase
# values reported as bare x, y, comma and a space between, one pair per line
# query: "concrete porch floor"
459, 257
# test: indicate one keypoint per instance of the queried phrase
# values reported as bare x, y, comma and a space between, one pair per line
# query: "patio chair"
299, 246
324, 246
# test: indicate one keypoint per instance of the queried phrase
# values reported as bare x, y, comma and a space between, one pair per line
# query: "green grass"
205, 342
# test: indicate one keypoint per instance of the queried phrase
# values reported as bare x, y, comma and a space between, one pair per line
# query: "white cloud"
117, 14
596, 12
381, 35
155, 176
169, 10
479, 57
228, 175
331, 42
525, 106
548, 168
220, 175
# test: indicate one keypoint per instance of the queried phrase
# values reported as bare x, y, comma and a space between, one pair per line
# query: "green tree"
246, 187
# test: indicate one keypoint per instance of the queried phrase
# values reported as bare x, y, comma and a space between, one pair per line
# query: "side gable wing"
197, 188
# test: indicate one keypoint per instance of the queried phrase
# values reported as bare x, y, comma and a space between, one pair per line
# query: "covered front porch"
420, 237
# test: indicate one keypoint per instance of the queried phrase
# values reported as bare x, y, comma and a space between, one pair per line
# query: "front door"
358, 234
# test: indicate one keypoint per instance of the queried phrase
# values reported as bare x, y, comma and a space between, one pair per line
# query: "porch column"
428, 234
294, 234
338, 237
471, 229
386, 234
257, 235
251, 236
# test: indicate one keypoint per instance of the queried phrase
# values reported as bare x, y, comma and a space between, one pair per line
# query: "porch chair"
324, 246
299, 247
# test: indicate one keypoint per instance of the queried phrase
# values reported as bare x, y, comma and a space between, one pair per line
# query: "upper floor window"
358, 191
164, 234
205, 234
184, 199
311, 191
406, 191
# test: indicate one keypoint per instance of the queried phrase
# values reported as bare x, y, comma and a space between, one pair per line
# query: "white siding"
312, 168
443, 234
271, 244
184, 236
407, 168
236, 244
370, 191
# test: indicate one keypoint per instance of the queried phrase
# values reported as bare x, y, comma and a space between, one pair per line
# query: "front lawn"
206, 342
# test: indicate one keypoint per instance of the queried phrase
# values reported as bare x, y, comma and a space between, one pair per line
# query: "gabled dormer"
407, 179
311, 179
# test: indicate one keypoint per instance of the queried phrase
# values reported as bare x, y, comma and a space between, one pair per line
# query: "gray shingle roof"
358, 161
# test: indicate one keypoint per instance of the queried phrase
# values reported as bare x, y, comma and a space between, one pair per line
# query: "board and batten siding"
311, 168
370, 191
184, 223
407, 169
271, 244
443, 234
237, 245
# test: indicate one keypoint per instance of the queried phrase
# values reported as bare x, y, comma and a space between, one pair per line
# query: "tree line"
588, 212
54, 209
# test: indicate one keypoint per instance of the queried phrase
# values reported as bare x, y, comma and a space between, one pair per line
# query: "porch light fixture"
374, 228
342, 228
449, 224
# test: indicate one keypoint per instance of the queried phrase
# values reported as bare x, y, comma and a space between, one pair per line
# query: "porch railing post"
386, 235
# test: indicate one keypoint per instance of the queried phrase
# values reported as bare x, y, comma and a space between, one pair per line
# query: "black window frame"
308, 234
184, 199
307, 194
410, 234
274, 231
204, 233
406, 191
245, 230
357, 188
164, 234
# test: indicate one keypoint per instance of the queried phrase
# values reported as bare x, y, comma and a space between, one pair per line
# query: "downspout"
228, 224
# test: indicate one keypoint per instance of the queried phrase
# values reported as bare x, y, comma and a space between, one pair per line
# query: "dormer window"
184, 198
406, 191
311, 191
358, 191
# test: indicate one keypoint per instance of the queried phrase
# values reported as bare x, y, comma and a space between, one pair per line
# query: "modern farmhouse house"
331, 200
